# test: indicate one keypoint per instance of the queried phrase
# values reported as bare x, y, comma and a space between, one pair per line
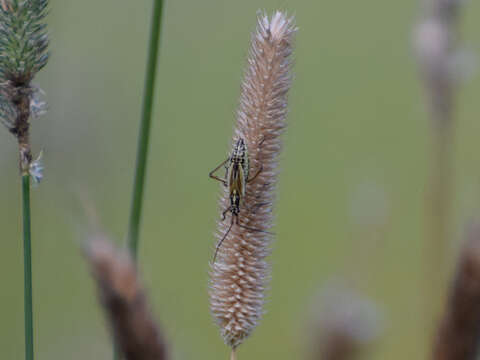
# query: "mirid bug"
237, 170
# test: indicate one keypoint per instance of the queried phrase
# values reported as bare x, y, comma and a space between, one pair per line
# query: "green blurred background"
354, 171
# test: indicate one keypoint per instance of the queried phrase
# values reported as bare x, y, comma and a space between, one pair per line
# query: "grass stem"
144, 134
27, 254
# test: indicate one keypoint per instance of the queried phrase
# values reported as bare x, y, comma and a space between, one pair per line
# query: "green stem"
144, 135
27, 255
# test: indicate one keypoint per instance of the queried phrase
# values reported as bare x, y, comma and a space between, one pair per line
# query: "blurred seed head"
440, 57
343, 324
124, 301
432, 45
457, 337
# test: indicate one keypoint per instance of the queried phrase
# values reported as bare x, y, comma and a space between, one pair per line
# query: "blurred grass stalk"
436, 42
144, 134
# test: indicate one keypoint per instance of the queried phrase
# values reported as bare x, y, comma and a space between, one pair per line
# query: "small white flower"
36, 169
38, 106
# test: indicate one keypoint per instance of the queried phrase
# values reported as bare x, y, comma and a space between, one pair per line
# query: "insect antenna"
219, 244
236, 221
254, 176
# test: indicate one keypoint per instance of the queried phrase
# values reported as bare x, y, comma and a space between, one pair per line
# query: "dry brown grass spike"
125, 302
240, 274
457, 337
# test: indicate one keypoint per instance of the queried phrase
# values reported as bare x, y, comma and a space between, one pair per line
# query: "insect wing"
241, 180
236, 180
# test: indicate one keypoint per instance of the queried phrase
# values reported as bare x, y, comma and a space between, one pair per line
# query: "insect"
237, 167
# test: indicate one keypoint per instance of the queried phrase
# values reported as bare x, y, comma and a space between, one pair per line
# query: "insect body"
237, 167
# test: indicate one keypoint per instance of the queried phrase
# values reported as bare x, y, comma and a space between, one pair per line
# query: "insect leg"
211, 174
221, 241
225, 212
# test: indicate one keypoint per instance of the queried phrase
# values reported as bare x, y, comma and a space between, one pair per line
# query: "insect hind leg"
213, 176
224, 213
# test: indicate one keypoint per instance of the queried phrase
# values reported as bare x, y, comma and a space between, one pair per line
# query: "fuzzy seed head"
23, 52
240, 274
436, 43
457, 336
343, 324
24, 40
125, 302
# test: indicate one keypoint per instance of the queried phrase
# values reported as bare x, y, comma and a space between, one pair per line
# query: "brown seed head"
343, 325
240, 274
457, 337
125, 302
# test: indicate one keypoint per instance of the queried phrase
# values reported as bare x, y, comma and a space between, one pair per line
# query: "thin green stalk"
144, 137
144, 134
27, 255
